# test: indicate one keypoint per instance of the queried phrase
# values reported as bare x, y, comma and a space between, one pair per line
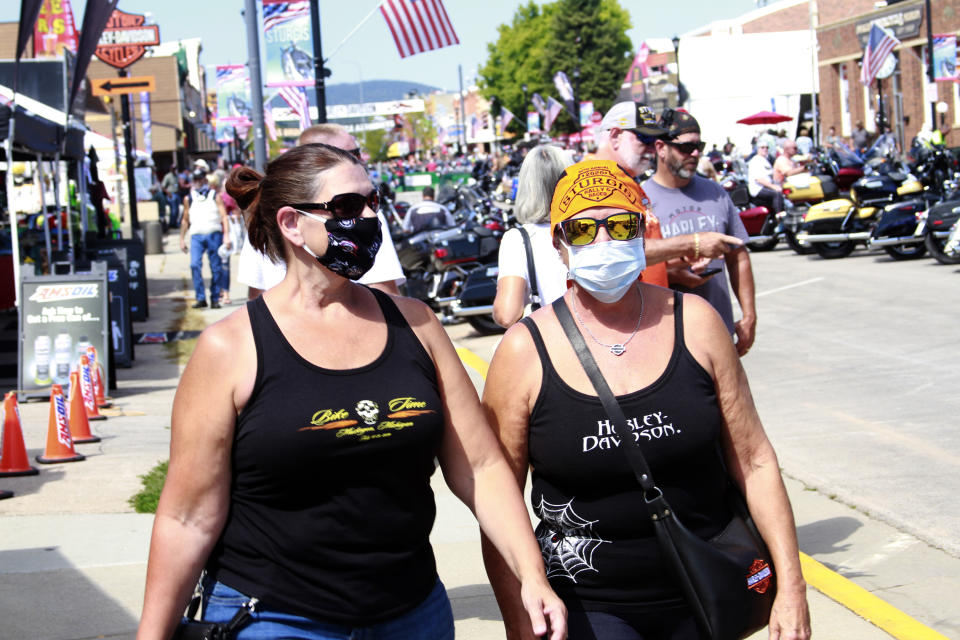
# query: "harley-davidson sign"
125, 39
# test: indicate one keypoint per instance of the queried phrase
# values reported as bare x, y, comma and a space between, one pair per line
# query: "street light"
676, 58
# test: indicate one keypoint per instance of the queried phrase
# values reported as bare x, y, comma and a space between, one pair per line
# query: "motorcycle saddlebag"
941, 216
753, 219
480, 287
898, 220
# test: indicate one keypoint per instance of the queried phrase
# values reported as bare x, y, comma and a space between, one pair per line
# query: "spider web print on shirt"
567, 541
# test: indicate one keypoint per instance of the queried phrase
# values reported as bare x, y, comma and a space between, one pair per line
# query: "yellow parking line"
473, 361
830, 583
863, 603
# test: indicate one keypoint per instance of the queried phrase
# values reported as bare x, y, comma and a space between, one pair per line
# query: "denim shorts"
432, 619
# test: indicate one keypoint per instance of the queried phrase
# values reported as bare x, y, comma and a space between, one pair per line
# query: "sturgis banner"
288, 44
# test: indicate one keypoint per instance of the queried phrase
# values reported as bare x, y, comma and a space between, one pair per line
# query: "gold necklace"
618, 348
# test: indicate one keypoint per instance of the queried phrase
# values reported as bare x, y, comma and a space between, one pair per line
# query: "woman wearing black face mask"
304, 434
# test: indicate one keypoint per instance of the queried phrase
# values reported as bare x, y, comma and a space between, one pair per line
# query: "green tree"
589, 35
424, 131
375, 142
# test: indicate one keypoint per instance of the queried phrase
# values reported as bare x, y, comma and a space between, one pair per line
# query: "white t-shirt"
257, 270
758, 167
550, 270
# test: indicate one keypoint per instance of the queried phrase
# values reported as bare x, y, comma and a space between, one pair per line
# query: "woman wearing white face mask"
669, 361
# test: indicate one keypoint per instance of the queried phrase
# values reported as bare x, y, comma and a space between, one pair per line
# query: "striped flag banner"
276, 13
539, 104
505, 117
418, 25
270, 122
296, 97
553, 110
880, 45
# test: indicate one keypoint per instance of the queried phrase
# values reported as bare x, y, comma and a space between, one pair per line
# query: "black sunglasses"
687, 147
345, 205
643, 137
354, 152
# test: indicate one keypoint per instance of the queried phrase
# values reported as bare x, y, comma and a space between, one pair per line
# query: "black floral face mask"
352, 244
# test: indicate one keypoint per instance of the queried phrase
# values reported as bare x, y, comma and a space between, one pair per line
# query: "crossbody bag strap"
531, 271
632, 450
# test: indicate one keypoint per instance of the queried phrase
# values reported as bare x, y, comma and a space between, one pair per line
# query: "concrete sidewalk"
73, 553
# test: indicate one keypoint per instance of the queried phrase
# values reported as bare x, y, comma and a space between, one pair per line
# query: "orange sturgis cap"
595, 183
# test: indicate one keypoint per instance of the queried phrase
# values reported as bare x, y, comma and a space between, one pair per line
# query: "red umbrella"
764, 117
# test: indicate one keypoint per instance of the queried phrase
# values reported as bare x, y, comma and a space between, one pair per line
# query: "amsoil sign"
125, 38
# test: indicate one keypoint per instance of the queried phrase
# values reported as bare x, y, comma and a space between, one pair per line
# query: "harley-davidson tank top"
330, 499
595, 533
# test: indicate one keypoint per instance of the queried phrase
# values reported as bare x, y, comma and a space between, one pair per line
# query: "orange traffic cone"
79, 425
13, 459
59, 441
99, 396
86, 388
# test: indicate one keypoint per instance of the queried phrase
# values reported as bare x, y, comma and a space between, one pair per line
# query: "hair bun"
244, 185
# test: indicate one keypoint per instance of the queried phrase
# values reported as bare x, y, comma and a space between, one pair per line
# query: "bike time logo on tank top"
371, 422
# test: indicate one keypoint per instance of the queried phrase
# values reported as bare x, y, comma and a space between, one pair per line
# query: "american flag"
418, 25
296, 97
276, 13
539, 104
880, 45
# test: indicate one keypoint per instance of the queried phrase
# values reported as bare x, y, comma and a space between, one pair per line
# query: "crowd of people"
307, 424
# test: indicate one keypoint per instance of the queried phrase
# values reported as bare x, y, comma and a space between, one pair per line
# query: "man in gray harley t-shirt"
686, 203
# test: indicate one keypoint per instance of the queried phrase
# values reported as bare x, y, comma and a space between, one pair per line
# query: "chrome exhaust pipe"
445, 302
759, 238
889, 242
804, 237
462, 312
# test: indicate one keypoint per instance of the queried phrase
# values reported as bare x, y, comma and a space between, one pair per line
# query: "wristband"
696, 247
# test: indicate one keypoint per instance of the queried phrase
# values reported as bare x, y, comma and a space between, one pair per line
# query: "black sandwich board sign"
121, 327
60, 316
134, 262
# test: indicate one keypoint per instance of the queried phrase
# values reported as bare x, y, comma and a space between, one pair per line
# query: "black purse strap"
632, 450
531, 271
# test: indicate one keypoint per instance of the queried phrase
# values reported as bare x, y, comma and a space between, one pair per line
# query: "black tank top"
330, 499
595, 534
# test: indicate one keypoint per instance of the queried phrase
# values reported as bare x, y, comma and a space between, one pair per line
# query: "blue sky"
370, 53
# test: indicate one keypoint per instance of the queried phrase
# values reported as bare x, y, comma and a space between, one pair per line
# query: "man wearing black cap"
689, 205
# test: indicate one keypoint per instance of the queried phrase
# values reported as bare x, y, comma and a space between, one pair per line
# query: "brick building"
907, 93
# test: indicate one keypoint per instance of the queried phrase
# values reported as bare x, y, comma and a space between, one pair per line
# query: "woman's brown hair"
295, 176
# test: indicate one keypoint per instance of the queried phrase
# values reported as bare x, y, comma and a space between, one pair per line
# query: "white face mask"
606, 270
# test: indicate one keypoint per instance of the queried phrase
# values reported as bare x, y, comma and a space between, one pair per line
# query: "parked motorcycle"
833, 173
761, 224
436, 262
835, 227
933, 228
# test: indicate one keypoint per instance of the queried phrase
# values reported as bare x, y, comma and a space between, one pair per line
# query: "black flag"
94, 20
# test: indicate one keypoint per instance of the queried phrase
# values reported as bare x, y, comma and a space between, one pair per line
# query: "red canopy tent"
765, 117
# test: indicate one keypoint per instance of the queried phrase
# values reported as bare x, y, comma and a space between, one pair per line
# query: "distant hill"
374, 91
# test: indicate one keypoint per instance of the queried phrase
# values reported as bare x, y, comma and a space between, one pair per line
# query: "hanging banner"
533, 122
55, 30
288, 43
945, 58
233, 95
586, 112
146, 123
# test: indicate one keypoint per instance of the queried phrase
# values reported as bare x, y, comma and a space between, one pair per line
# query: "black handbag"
191, 629
727, 581
536, 301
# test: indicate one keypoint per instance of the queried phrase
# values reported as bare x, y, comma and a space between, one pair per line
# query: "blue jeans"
206, 243
173, 200
669, 624
432, 619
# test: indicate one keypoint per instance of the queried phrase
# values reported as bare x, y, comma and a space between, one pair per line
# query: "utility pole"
319, 72
128, 150
930, 74
463, 117
256, 84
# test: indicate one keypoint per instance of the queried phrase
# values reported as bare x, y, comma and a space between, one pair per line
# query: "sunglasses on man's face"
687, 147
345, 205
620, 226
